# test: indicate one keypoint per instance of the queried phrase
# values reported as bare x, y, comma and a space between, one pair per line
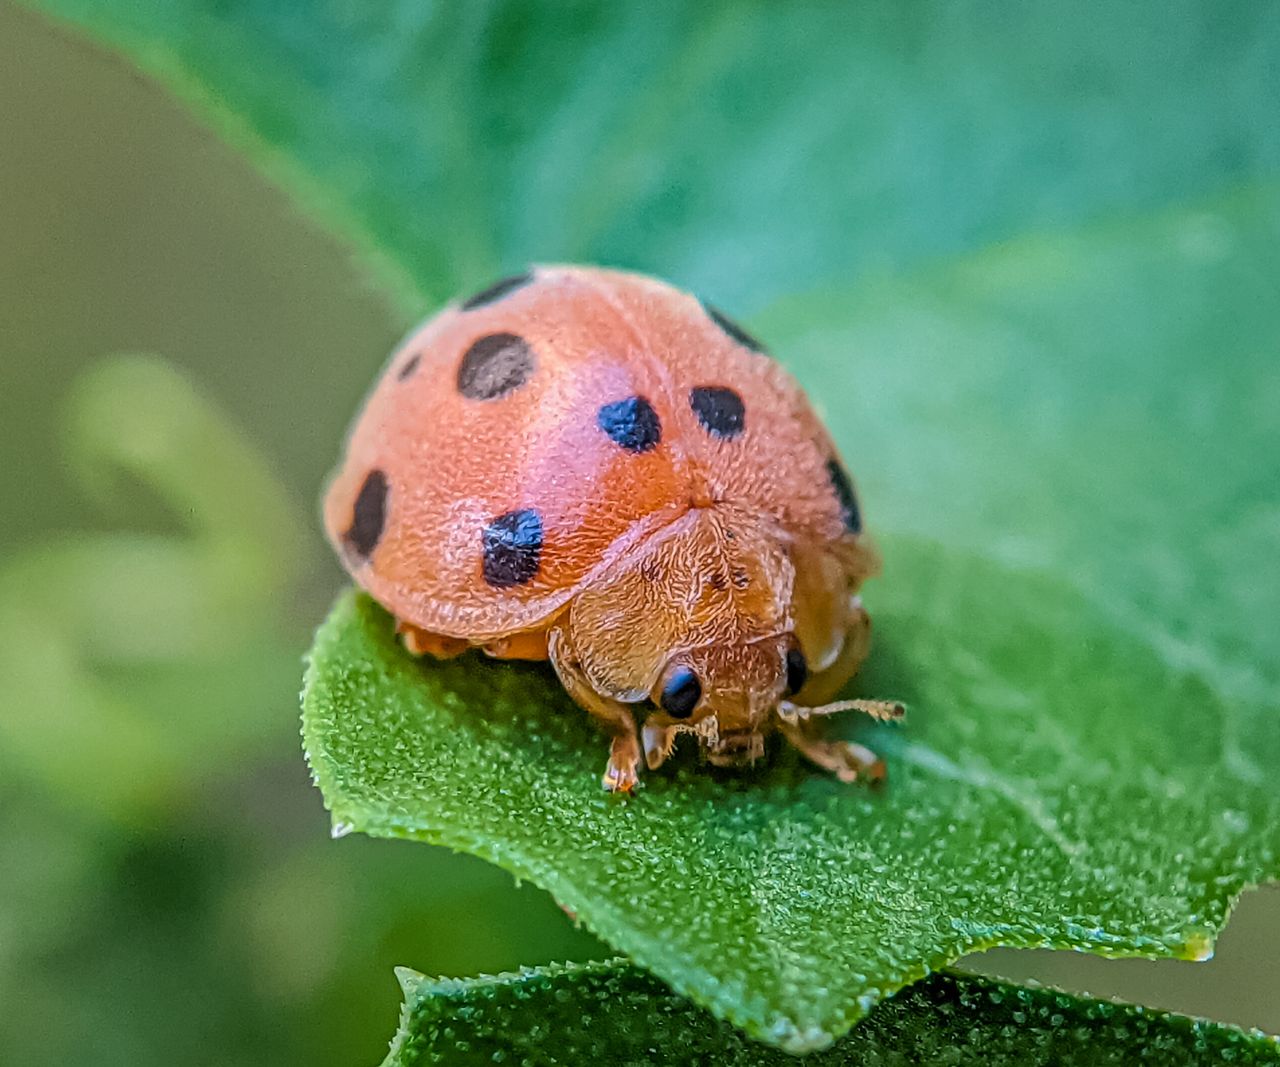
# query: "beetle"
595, 468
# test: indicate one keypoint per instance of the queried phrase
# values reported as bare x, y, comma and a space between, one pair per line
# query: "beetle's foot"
531, 644
848, 761
620, 773
420, 642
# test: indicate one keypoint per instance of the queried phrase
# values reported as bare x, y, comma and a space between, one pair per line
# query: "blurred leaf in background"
742, 150
138, 670
890, 189
104, 638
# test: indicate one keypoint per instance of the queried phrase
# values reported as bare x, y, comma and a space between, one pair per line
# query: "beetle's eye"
797, 670
681, 694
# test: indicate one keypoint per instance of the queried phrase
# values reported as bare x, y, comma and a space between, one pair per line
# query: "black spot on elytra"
368, 516
718, 581
844, 493
720, 410
497, 291
410, 365
732, 328
512, 547
741, 579
631, 423
494, 366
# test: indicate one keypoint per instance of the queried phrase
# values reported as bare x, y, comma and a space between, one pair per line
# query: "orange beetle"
595, 468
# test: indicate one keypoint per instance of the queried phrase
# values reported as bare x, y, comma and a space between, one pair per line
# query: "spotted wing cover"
526, 437
744, 422
514, 442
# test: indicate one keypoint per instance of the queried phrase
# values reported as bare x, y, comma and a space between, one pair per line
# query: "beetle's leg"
624, 750
658, 741
823, 685
531, 644
422, 642
847, 761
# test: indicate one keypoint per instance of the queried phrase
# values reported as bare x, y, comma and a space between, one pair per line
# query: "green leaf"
612, 1013
739, 149
1039, 251
1028, 804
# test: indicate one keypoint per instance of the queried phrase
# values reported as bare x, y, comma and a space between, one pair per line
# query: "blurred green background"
168, 889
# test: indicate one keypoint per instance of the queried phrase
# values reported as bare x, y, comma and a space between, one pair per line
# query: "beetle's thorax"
711, 591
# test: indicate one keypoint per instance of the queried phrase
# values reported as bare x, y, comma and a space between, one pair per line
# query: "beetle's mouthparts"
736, 750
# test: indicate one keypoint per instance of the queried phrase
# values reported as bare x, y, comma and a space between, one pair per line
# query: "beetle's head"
726, 695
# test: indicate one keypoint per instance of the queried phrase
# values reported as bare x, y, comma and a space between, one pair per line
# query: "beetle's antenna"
883, 710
